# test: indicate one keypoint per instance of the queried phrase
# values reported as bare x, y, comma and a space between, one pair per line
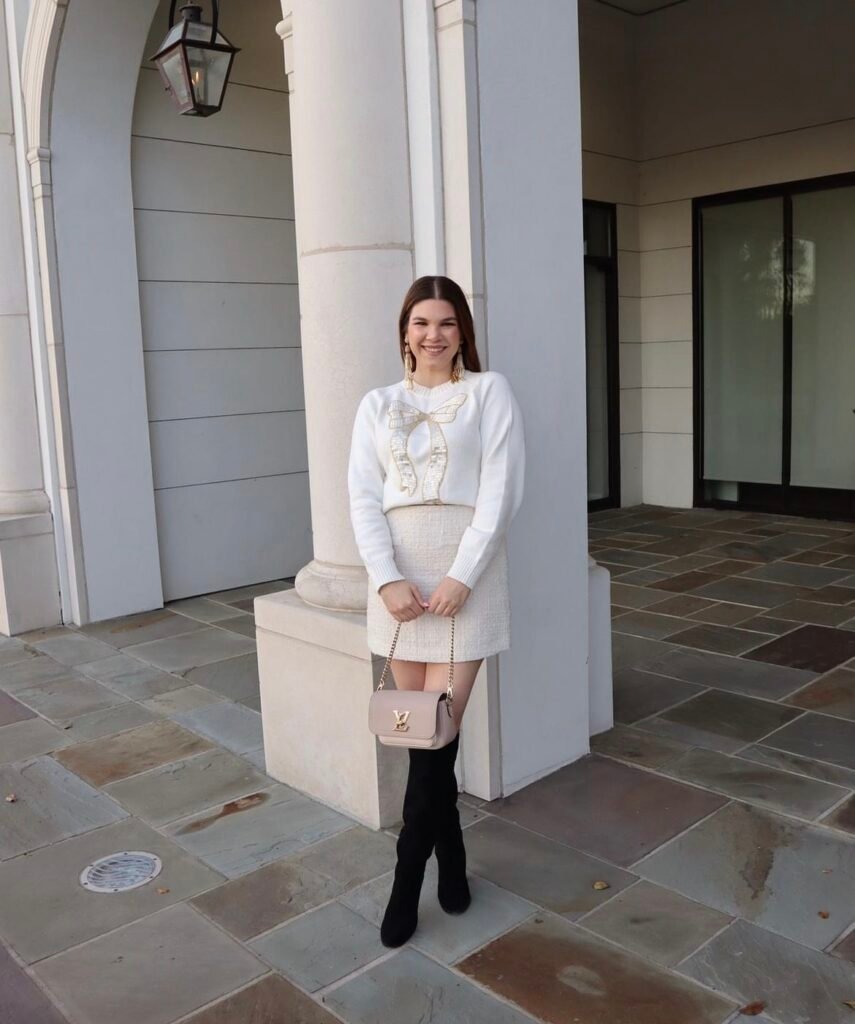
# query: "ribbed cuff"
383, 571
464, 569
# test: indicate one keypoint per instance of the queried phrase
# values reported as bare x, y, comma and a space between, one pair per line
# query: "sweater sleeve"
500, 488
365, 476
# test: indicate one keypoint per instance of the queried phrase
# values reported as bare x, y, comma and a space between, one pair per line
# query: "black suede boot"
414, 846
452, 889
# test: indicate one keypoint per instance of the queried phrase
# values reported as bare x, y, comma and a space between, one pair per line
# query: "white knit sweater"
453, 444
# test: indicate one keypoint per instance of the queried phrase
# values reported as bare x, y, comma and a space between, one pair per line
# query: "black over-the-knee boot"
452, 889
414, 846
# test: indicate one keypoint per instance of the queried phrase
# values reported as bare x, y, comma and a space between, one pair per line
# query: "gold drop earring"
457, 372
409, 364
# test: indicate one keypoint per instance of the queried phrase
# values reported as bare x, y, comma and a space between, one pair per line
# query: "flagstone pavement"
698, 863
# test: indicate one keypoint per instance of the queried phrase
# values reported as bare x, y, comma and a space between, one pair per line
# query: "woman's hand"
449, 597
403, 600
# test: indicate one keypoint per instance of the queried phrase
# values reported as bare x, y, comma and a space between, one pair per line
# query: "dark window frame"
783, 498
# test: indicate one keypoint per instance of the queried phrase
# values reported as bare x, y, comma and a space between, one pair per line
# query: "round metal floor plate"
120, 872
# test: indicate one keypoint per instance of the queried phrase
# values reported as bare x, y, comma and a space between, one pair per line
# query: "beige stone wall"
708, 96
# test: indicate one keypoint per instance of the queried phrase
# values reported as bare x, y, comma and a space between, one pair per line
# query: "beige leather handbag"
413, 718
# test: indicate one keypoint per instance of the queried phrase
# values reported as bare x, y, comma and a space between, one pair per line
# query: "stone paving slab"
231, 725
560, 973
720, 721
612, 811
186, 651
117, 757
12, 710
831, 694
655, 922
736, 675
408, 988
29, 673
149, 972
272, 1000
67, 697
21, 1000
177, 702
801, 765
234, 678
798, 985
445, 937
108, 722
263, 899
537, 869
247, 833
639, 694
321, 946
45, 909
351, 857
204, 609
73, 648
768, 869
14, 652
753, 783
136, 629
51, 804
183, 787
820, 737
130, 676
626, 743
29, 739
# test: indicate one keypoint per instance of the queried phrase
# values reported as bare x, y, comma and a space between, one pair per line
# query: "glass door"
775, 352
601, 355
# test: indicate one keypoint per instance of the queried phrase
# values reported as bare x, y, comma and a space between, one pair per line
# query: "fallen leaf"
162, 891
752, 1009
850, 1003
602, 885
11, 799
823, 913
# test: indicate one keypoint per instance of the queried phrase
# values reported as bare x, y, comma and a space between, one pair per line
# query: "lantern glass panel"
208, 71
173, 68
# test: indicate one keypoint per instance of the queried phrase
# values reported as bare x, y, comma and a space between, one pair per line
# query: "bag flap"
405, 712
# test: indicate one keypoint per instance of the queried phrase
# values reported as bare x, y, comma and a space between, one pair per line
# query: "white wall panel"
250, 118
184, 176
221, 535
204, 247
223, 382
197, 451
181, 315
220, 312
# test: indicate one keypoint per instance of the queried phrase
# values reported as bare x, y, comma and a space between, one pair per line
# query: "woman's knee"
408, 675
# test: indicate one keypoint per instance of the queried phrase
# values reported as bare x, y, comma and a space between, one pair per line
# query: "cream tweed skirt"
425, 540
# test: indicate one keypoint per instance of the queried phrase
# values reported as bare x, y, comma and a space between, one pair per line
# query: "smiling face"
434, 335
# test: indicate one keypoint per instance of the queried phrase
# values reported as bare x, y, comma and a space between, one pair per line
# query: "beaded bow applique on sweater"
402, 418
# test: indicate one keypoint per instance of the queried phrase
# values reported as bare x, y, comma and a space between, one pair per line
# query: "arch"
79, 76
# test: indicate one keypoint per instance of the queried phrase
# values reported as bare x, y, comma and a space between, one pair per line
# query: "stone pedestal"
317, 676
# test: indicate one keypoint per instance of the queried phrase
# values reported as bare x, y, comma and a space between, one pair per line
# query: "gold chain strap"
450, 691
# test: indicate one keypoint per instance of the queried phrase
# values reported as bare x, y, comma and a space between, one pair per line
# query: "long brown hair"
436, 287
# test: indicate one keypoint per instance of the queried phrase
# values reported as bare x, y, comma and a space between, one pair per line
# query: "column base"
340, 588
29, 586
600, 686
317, 675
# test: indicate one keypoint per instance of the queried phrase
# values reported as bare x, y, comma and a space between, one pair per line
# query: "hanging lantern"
195, 61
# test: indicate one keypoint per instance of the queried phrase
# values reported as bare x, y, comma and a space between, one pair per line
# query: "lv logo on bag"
401, 720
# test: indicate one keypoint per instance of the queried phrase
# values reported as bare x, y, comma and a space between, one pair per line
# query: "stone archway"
79, 72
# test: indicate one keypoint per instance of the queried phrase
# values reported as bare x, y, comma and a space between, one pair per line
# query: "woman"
435, 477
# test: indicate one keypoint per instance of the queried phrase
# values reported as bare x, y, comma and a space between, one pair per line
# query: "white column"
29, 592
345, 64
21, 483
348, 99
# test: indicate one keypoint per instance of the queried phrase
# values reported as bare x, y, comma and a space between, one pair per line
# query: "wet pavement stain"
558, 973
245, 803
